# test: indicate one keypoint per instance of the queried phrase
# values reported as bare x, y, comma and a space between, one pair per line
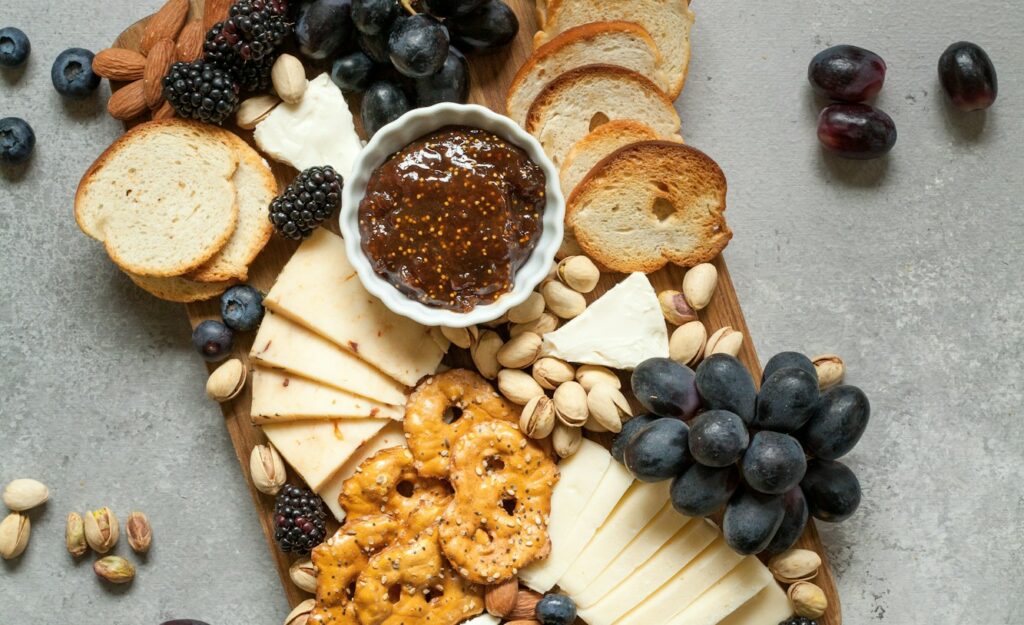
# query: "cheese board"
491, 76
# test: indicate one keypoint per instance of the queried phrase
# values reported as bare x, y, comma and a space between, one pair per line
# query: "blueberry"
14, 47
242, 308
213, 340
787, 400
702, 491
16, 141
628, 431
718, 438
837, 424
353, 72
658, 451
783, 360
666, 388
724, 383
383, 103
556, 609
774, 463
832, 490
793, 522
751, 520
418, 46
72, 74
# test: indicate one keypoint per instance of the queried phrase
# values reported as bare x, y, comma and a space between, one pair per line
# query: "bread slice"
577, 102
592, 148
256, 188
649, 204
614, 43
161, 198
180, 289
668, 21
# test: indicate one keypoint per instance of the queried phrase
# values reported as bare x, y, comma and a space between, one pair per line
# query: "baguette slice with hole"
613, 43
180, 290
580, 100
605, 139
668, 21
649, 204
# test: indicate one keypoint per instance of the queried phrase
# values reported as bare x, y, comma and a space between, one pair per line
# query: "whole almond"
190, 41
128, 102
166, 111
500, 600
289, 78
215, 11
119, 64
159, 61
166, 24
526, 606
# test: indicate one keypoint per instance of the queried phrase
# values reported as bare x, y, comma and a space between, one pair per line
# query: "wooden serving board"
491, 75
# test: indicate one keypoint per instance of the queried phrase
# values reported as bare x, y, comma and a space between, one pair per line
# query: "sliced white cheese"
320, 290
620, 330
283, 344
580, 477
725, 597
316, 131
768, 607
639, 505
280, 396
318, 449
391, 435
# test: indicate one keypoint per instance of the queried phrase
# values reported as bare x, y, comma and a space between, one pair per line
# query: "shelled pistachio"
101, 529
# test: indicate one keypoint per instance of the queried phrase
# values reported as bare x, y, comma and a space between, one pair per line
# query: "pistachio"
518, 386
114, 569
675, 309
591, 375
139, 532
461, 337
300, 615
808, 600
227, 381
593, 425
520, 352
563, 301
687, 343
25, 494
724, 341
101, 530
542, 325
303, 575
566, 440
552, 272
74, 535
795, 565
254, 110
485, 354
538, 417
608, 406
552, 372
15, 530
267, 469
579, 273
699, 285
437, 335
497, 323
831, 370
289, 78
528, 311
571, 404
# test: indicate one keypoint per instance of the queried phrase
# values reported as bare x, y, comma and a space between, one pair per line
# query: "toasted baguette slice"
256, 188
161, 197
614, 43
605, 139
580, 100
180, 289
668, 21
649, 204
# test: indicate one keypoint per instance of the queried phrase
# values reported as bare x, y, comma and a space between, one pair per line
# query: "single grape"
375, 47
856, 131
451, 8
718, 438
723, 382
832, 490
323, 27
837, 424
374, 17
666, 388
793, 523
658, 451
751, 520
787, 400
701, 491
628, 431
383, 103
418, 45
492, 25
774, 463
451, 84
353, 72
846, 73
968, 76
783, 360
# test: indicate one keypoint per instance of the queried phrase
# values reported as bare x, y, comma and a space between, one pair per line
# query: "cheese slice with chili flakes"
317, 450
769, 606
279, 396
391, 435
319, 289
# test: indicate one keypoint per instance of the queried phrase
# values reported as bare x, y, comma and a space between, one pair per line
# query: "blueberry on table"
383, 103
184, 621
701, 491
832, 490
374, 17
774, 463
856, 131
846, 73
451, 8
353, 72
658, 451
793, 522
451, 84
787, 400
323, 27
17, 140
666, 388
751, 520
72, 74
14, 47
241, 307
968, 76
556, 609
213, 340
490, 26
784, 360
629, 430
418, 45
724, 383
718, 438
837, 424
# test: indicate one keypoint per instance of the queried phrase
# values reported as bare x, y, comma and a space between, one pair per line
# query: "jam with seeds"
451, 218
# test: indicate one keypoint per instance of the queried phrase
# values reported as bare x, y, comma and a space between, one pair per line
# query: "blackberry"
299, 520
201, 91
253, 30
252, 75
799, 620
307, 202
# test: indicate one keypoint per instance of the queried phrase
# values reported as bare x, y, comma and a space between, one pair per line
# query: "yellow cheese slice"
318, 449
320, 290
639, 505
391, 435
725, 597
282, 344
279, 396
768, 607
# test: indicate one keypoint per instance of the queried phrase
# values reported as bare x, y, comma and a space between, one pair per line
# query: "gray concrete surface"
910, 267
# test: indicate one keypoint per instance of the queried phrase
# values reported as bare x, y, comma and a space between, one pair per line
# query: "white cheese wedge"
768, 607
725, 597
587, 517
279, 396
316, 131
620, 330
391, 435
283, 344
318, 449
320, 290
639, 505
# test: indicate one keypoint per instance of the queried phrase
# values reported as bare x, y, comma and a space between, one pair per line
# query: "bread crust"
181, 290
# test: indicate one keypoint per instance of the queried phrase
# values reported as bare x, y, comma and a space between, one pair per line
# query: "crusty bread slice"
161, 197
648, 204
577, 102
256, 188
668, 21
180, 289
613, 43
605, 139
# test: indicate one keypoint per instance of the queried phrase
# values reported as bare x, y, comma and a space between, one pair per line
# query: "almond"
190, 41
119, 64
166, 111
501, 599
215, 11
128, 102
526, 606
166, 24
159, 61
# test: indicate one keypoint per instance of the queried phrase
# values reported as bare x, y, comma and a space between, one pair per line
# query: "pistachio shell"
724, 341
254, 110
25, 494
795, 565
699, 285
139, 532
528, 311
114, 569
289, 78
831, 370
101, 530
552, 372
547, 322
808, 600
590, 375
485, 354
227, 381
461, 337
15, 530
300, 615
687, 343
675, 309
520, 352
538, 417
571, 404
563, 301
608, 407
579, 273
303, 575
518, 386
566, 440
74, 535
267, 469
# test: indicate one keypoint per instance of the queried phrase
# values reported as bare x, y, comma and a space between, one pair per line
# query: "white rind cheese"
318, 449
620, 330
768, 607
391, 435
279, 396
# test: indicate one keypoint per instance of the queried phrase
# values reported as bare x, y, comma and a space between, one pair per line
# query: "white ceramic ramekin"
400, 133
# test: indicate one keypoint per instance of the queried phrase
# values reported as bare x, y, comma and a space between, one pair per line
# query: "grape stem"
408, 6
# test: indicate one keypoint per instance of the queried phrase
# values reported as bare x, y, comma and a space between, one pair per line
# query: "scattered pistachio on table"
303, 575
74, 535
15, 530
254, 110
300, 615
590, 375
461, 337
485, 354
114, 569
24, 494
289, 78
831, 370
547, 322
808, 600
139, 532
227, 381
518, 386
566, 440
562, 300
101, 529
529, 310
608, 407
795, 565
551, 372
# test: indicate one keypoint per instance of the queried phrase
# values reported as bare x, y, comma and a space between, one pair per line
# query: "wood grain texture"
491, 75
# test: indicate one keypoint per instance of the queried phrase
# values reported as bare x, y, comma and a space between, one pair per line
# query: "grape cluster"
403, 54
769, 458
